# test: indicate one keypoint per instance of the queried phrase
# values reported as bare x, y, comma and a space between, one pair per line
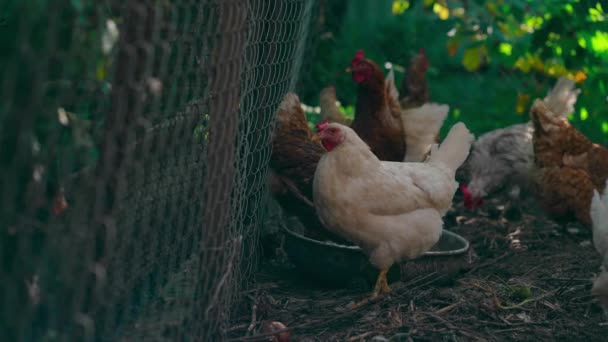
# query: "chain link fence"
135, 139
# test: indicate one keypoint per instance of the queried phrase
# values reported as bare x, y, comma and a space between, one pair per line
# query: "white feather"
599, 218
389, 83
421, 126
562, 97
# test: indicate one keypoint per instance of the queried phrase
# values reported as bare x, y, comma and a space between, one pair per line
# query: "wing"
399, 188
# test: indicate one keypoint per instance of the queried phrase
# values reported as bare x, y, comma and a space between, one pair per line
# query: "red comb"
359, 55
322, 125
422, 51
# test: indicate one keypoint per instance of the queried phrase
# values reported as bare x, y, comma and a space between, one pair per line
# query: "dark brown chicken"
293, 163
414, 87
568, 167
294, 155
377, 115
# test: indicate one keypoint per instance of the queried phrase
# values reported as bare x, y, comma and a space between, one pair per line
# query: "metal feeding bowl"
340, 264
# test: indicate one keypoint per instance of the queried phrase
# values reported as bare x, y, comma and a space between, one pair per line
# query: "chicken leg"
381, 285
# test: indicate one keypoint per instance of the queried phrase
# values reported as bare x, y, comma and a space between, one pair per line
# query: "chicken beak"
349, 70
316, 138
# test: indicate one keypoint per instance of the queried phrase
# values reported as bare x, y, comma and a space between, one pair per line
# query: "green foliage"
55, 91
489, 59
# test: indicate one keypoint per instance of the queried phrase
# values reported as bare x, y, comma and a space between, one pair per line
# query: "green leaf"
584, 114
505, 48
599, 42
400, 6
473, 57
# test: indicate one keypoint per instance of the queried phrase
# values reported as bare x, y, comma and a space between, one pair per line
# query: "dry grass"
531, 282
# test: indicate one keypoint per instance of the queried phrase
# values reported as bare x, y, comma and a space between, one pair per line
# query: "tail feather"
599, 217
421, 127
454, 149
329, 108
391, 87
562, 98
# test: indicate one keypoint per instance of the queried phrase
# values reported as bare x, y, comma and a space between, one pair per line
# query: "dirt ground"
531, 281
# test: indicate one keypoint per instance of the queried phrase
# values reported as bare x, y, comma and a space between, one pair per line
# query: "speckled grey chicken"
504, 158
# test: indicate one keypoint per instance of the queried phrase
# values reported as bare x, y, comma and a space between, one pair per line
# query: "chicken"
414, 87
568, 167
500, 158
389, 84
329, 109
504, 158
562, 97
377, 116
421, 129
599, 217
293, 162
421, 120
392, 210
594, 162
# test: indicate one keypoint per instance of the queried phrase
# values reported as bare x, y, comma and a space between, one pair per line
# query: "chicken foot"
381, 285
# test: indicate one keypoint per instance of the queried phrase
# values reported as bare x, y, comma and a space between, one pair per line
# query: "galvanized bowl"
340, 264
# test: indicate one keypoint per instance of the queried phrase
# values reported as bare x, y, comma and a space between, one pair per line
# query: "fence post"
217, 251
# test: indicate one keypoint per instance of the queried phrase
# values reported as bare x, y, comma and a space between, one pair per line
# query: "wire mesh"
135, 141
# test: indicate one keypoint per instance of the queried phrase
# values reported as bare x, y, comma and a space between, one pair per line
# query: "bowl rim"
332, 244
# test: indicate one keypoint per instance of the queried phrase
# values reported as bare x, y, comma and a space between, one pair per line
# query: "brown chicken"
329, 109
414, 87
377, 115
421, 119
294, 158
568, 167
292, 166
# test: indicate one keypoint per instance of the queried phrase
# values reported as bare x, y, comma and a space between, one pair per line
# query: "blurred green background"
489, 59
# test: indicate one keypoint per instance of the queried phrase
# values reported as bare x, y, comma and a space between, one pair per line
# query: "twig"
447, 308
296, 192
265, 287
488, 263
254, 310
509, 330
524, 302
361, 337
440, 319
236, 327
236, 245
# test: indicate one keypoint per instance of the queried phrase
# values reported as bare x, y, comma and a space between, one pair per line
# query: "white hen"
421, 128
392, 210
421, 125
599, 217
